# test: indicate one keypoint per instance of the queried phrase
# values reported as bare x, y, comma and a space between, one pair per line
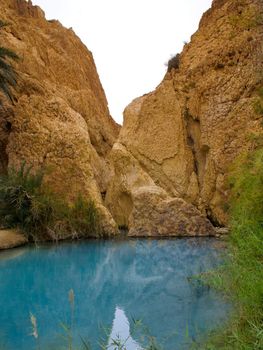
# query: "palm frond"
5, 66
7, 53
8, 75
6, 90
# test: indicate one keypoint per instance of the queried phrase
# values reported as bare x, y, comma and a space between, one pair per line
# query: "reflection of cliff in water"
144, 279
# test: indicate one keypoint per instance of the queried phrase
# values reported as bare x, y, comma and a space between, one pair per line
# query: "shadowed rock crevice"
200, 151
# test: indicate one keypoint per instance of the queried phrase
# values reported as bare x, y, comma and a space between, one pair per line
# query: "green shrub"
242, 276
27, 204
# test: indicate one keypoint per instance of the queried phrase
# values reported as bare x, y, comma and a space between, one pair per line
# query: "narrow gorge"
164, 172
93, 210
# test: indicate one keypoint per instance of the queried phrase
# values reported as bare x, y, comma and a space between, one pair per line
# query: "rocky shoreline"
11, 239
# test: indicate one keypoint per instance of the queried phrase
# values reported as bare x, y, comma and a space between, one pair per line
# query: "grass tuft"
29, 205
241, 278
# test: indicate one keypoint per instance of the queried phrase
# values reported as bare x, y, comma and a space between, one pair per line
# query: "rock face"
61, 119
156, 214
168, 167
177, 142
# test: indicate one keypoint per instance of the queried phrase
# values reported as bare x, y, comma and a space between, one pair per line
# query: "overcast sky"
131, 40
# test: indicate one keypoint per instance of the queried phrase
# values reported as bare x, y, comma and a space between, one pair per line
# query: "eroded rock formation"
60, 119
179, 140
170, 162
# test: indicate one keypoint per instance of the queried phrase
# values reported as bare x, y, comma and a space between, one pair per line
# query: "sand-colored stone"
60, 120
129, 176
136, 202
186, 133
171, 159
156, 214
11, 239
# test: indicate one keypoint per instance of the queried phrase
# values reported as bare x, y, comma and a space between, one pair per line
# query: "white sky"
131, 40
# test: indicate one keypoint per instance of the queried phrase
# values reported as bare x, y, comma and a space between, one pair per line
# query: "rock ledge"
11, 239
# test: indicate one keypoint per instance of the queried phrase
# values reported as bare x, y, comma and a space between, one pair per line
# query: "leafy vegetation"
242, 276
8, 75
27, 204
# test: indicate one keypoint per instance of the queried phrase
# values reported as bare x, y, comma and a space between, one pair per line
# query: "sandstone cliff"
60, 119
167, 170
178, 141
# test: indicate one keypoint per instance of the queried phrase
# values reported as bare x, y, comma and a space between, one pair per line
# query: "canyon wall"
177, 142
60, 120
165, 173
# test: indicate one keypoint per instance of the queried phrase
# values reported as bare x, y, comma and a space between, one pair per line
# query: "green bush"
27, 204
242, 276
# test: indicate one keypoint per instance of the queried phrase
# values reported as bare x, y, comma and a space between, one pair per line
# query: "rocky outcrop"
158, 215
136, 202
11, 239
60, 120
182, 137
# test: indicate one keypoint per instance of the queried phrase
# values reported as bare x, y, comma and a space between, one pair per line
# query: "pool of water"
114, 282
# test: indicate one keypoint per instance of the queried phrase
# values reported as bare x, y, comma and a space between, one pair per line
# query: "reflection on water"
121, 331
12, 253
113, 282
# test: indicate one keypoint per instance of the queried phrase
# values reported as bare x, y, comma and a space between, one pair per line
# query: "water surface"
113, 282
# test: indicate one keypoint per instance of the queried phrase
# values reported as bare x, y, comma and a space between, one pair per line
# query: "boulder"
11, 239
146, 209
155, 214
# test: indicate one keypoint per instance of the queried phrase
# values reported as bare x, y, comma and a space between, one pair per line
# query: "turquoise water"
113, 282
